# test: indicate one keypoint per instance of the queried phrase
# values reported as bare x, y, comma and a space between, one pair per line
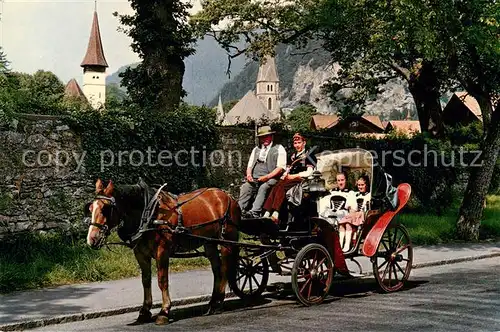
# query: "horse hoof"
213, 310
162, 318
144, 317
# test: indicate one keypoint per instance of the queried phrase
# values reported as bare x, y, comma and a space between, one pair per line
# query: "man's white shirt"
281, 162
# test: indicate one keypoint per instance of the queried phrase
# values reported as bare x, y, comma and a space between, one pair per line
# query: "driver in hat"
265, 166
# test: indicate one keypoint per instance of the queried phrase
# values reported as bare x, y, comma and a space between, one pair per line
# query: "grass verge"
35, 261
432, 229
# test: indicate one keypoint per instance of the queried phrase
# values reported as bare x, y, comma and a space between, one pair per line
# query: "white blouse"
359, 201
335, 203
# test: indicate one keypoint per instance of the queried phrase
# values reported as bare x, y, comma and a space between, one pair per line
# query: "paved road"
459, 297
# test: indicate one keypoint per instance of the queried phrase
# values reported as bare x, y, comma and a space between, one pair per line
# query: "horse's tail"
234, 215
232, 234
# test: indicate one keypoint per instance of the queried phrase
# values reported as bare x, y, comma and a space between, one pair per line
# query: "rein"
150, 207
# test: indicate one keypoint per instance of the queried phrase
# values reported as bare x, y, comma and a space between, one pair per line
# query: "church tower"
94, 68
268, 91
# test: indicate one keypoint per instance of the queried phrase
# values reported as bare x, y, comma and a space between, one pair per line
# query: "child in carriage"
333, 207
357, 204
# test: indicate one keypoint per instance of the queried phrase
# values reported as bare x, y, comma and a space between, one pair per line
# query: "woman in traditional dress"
357, 204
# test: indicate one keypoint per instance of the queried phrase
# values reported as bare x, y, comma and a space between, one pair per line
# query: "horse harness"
180, 228
150, 207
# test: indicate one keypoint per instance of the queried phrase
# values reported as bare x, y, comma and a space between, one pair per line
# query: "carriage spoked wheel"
312, 274
251, 277
393, 260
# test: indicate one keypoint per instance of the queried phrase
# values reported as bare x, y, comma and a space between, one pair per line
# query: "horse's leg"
144, 261
215, 304
162, 262
229, 261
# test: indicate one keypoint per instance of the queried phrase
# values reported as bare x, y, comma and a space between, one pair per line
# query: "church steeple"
94, 67
95, 52
268, 90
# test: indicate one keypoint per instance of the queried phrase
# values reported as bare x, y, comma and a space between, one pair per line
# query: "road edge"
187, 301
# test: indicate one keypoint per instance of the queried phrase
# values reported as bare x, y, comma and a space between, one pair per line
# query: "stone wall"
44, 185
229, 167
41, 186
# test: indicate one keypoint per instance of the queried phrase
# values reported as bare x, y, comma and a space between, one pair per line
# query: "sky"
53, 34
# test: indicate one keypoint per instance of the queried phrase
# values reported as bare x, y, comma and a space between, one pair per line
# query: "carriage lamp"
317, 183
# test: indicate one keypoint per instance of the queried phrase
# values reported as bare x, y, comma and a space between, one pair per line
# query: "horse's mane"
128, 194
130, 201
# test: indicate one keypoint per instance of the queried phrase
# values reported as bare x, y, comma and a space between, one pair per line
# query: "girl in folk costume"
333, 207
300, 165
357, 204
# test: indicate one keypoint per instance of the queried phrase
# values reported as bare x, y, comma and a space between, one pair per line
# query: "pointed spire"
267, 71
220, 111
95, 52
73, 90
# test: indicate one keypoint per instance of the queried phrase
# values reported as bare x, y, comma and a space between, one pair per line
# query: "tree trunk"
172, 85
486, 110
471, 211
424, 87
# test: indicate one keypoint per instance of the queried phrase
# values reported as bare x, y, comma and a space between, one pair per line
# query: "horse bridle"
103, 228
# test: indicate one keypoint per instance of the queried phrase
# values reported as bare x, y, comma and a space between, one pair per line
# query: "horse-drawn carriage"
304, 253
164, 225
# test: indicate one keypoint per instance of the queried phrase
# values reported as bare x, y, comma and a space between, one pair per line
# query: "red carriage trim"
373, 237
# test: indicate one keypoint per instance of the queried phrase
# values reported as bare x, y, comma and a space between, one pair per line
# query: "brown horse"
207, 212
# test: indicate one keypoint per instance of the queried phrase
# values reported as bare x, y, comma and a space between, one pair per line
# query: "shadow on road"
283, 293
39, 304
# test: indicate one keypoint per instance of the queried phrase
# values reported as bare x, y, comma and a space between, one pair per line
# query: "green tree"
41, 92
360, 35
163, 39
472, 40
21, 92
299, 118
114, 95
433, 45
4, 64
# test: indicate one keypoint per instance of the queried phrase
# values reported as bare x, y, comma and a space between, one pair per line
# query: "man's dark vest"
300, 165
271, 160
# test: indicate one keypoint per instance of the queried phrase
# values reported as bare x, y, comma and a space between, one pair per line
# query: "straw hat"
264, 130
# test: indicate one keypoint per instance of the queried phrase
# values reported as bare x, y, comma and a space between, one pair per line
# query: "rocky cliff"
303, 72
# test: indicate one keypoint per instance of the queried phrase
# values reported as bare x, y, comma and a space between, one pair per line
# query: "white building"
268, 86
264, 103
94, 71
94, 68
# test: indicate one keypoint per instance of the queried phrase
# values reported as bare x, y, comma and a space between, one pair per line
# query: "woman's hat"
264, 131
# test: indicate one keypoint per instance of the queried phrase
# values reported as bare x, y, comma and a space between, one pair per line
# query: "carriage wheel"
393, 260
312, 274
251, 275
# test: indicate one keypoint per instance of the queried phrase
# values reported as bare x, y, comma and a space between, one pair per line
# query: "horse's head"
103, 215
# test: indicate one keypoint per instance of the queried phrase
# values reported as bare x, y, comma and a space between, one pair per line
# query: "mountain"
302, 72
205, 72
